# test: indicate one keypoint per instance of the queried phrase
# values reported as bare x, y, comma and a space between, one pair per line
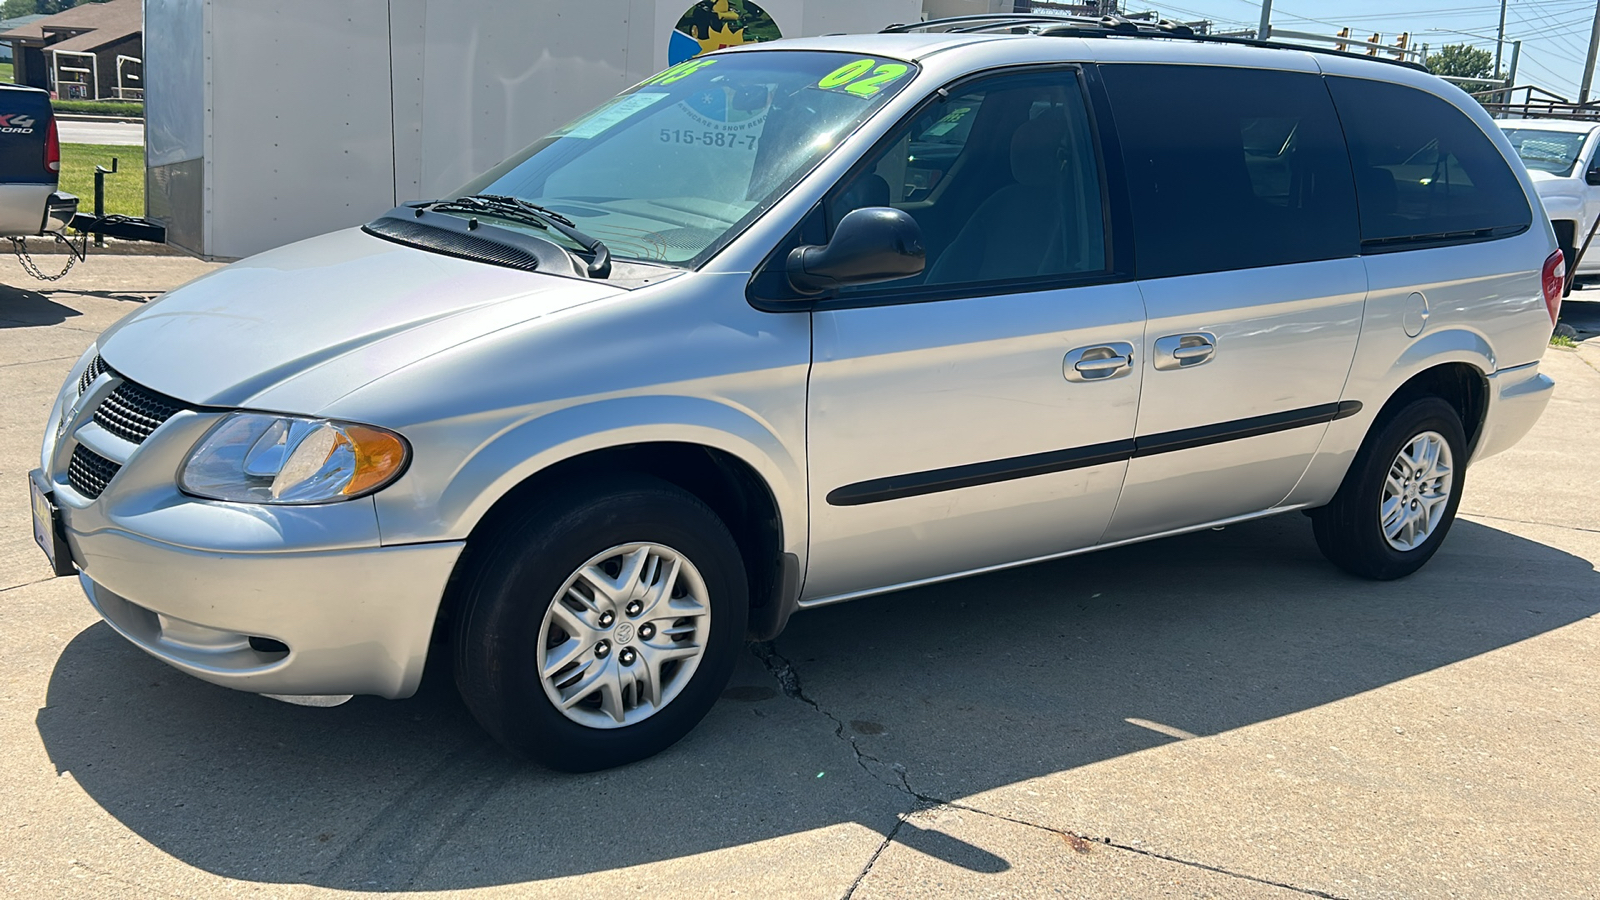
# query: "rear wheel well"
727, 484
1459, 384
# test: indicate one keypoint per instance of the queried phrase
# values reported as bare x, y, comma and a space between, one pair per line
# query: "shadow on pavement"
968, 686
20, 308
1581, 310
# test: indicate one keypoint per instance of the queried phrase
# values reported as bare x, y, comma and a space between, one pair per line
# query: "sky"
1554, 33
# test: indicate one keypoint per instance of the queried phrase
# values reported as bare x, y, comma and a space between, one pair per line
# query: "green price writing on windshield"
681, 70
864, 77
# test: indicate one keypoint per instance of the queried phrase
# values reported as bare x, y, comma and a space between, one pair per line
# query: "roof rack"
1502, 102
1109, 26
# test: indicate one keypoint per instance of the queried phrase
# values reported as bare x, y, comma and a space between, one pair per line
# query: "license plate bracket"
47, 528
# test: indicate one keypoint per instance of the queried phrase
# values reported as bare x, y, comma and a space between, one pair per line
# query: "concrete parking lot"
1218, 715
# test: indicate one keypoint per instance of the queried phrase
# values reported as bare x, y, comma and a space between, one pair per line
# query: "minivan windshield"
672, 169
1547, 151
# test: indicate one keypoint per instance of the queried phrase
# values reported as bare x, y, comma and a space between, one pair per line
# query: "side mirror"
870, 245
1593, 175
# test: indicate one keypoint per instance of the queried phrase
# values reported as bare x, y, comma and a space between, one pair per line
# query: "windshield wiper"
519, 210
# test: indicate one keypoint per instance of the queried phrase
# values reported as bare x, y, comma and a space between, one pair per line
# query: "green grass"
7, 74
124, 190
1561, 340
99, 108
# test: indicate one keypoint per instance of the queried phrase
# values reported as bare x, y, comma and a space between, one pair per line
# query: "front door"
982, 412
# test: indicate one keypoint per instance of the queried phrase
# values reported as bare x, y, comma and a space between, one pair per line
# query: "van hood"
294, 329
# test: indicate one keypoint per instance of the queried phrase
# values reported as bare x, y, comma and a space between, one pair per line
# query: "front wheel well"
727, 484
1459, 384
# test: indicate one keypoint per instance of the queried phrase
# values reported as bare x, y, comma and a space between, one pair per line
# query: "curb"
104, 120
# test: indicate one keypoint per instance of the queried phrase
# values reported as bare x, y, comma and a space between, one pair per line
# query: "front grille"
132, 412
96, 366
89, 472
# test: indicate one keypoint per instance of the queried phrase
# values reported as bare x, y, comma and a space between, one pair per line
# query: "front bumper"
1517, 398
191, 581
353, 621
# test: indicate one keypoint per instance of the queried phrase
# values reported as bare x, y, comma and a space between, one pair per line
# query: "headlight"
260, 458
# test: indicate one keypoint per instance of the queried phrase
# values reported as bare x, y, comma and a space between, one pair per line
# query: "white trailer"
271, 122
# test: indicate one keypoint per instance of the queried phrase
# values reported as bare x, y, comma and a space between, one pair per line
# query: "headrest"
1036, 150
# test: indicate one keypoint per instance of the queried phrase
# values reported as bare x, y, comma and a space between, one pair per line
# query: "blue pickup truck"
30, 165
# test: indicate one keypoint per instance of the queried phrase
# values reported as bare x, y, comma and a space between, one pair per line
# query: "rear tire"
599, 626
1395, 506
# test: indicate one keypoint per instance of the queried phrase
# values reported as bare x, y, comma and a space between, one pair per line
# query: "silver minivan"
799, 323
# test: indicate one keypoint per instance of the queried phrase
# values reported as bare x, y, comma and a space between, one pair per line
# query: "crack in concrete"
789, 682
888, 839
34, 362
26, 584
1107, 841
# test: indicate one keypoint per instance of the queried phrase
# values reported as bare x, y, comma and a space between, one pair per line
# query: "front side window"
1002, 178
1231, 168
671, 170
1547, 151
1425, 172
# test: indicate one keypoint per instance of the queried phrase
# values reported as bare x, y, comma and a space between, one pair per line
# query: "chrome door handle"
1101, 362
1184, 351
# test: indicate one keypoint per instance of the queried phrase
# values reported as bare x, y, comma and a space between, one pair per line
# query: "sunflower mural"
714, 24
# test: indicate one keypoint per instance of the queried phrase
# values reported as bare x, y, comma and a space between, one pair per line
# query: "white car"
1560, 156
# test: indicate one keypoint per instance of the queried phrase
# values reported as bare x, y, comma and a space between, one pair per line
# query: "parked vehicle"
30, 165
1560, 157
797, 324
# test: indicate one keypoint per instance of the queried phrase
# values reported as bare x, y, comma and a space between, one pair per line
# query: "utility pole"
1501, 40
1588, 65
1265, 31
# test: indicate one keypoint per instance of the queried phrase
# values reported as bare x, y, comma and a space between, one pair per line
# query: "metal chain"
20, 246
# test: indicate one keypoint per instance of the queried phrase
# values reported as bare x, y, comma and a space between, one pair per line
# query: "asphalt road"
1217, 715
120, 133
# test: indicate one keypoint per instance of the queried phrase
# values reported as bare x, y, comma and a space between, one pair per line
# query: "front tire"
1400, 496
600, 626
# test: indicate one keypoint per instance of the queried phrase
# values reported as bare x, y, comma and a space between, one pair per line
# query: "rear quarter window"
1231, 168
1425, 172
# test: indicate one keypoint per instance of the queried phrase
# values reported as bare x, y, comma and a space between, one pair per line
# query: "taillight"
1554, 280
52, 148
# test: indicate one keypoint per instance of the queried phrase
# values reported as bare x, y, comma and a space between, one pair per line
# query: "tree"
13, 8
1461, 61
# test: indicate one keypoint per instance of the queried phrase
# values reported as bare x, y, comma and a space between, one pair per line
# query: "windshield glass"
672, 169
1547, 151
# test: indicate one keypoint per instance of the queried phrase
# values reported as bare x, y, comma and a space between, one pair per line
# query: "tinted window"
1002, 177
1424, 171
1231, 168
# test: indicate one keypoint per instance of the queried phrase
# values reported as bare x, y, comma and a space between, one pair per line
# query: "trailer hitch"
129, 228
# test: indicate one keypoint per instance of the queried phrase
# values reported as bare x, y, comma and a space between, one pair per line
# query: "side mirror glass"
1593, 175
870, 245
